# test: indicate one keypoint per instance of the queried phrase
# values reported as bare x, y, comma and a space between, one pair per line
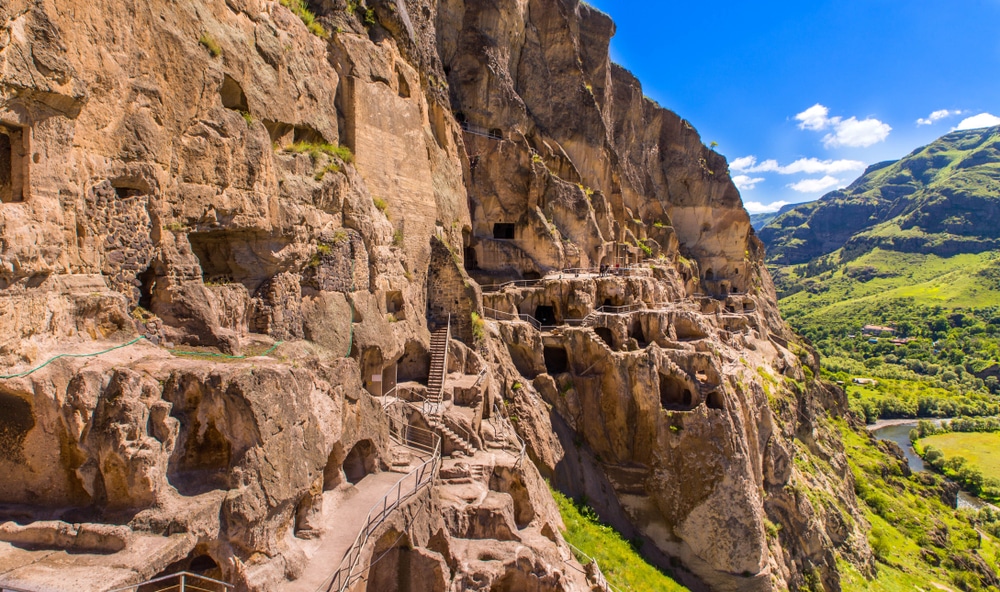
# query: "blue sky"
802, 95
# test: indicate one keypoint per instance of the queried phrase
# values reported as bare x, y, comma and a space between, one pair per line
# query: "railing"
602, 582
6, 588
523, 447
186, 581
481, 131
422, 477
515, 283
499, 315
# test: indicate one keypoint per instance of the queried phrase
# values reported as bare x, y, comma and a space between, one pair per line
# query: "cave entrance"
503, 231
11, 165
531, 275
546, 315
496, 134
332, 475
360, 462
394, 304
675, 394
709, 274
638, 334
606, 335
471, 259
715, 400
199, 563
556, 360
147, 283
16, 420
232, 95
203, 458
398, 568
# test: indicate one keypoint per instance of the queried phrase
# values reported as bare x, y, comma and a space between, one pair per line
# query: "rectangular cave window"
11, 165
503, 230
556, 360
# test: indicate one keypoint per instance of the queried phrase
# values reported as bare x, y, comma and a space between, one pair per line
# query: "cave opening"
556, 360
709, 274
202, 460
546, 315
715, 400
332, 476
404, 86
606, 335
636, 332
471, 259
232, 95
394, 304
147, 283
360, 462
503, 231
531, 275
496, 134
11, 165
16, 420
675, 394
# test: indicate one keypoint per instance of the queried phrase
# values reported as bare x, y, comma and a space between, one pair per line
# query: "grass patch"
209, 43
316, 149
307, 16
623, 566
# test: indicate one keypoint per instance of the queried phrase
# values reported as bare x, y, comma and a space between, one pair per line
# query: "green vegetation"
209, 43
622, 565
964, 451
397, 238
380, 204
308, 17
317, 149
329, 168
478, 328
917, 539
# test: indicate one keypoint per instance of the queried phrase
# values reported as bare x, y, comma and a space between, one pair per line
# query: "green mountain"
942, 199
913, 245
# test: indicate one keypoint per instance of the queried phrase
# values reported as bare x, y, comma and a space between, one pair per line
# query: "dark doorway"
606, 335
556, 360
232, 95
496, 134
675, 394
11, 162
715, 400
503, 231
361, 461
471, 260
147, 283
546, 315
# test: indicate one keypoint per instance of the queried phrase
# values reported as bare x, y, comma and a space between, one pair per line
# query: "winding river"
899, 432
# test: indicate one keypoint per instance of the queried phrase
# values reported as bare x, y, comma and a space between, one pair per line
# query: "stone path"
341, 526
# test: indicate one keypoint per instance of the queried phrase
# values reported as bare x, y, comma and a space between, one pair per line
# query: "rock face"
310, 203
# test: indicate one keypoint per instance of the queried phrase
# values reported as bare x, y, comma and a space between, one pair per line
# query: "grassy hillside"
943, 198
622, 565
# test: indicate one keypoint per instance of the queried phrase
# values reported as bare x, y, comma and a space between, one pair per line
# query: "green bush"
298, 7
209, 43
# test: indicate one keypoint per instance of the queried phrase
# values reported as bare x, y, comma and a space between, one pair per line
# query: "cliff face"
313, 202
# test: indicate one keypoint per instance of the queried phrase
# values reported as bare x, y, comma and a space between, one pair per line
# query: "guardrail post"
183, 582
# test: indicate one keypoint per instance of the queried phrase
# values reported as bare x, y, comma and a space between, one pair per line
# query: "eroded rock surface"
288, 217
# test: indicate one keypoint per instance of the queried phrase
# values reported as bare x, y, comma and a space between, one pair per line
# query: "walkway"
341, 525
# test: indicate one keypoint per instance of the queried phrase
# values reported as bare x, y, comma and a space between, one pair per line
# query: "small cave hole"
16, 420
531, 275
503, 231
404, 86
394, 304
715, 400
232, 95
675, 394
709, 274
304, 133
735, 290
556, 360
203, 564
202, 460
147, 284
606, 335
636, 332
496, 134
360, 462
546, 315
11, 165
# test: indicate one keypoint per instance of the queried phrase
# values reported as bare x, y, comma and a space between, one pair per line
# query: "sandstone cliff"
312, 199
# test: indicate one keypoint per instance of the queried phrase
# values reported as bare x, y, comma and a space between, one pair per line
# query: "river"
899, 432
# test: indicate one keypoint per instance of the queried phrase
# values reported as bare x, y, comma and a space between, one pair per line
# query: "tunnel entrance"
556, 360
471, 259
361, 461
546, 315
503, 231
16, 420
715, 400
147, 283
606, 335
675, 394
11, 165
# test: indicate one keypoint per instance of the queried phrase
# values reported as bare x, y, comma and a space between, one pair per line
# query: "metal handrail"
423, 475
604, 580
182, 585
495, 314
523, 446
516, 283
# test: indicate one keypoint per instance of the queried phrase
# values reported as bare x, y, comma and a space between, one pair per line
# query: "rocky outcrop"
284, 204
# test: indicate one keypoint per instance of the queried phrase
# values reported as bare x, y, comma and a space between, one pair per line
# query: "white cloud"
815, 185
978, 121
814, 118
937, 116
857, 134
756, 207
850, 132
809, 166
744, 182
